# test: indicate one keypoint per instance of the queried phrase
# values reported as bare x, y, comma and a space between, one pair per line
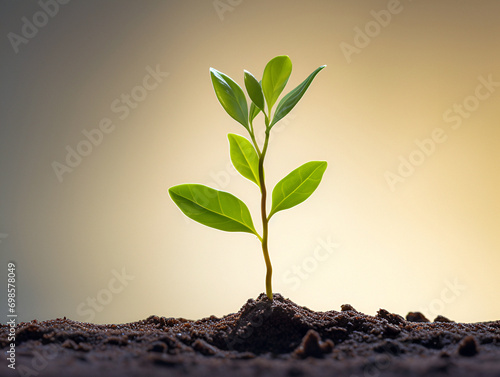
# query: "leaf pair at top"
274, 79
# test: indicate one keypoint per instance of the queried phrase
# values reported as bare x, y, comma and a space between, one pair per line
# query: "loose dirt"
264, 338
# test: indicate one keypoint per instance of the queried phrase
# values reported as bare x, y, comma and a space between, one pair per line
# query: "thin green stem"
252, 136
265, 221
251, 132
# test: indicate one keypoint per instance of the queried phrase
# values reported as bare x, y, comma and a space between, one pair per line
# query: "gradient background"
398, 249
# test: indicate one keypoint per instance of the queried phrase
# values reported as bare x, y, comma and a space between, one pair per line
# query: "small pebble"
468, 346
416, 317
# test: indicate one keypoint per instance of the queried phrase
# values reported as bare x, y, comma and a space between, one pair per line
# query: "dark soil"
264, 338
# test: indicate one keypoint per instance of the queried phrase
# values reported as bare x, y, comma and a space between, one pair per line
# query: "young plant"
222, 210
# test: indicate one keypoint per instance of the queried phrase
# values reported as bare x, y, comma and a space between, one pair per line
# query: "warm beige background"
398, 249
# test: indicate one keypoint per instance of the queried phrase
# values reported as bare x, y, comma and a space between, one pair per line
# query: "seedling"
222, 210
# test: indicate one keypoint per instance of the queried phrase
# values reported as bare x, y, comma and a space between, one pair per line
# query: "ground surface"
264, 338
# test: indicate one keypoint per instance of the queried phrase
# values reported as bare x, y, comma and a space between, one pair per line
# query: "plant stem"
252, 136
265, 220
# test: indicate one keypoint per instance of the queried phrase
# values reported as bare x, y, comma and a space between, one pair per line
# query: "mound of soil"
265, 338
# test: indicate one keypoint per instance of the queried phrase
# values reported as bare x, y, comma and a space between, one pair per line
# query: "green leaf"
288, 102
217, 209
275, 77
254, 111
244, 157
297, 186
230, 96
254, 90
